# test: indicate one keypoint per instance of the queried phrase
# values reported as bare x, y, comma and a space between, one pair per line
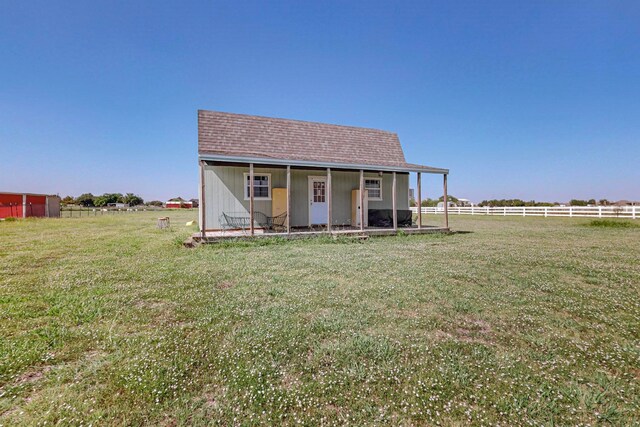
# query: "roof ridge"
297, 121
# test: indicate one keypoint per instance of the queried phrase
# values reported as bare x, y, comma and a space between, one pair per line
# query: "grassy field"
521, 321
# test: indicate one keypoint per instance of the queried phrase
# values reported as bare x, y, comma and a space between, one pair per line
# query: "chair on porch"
270, 223
234, 221
241, 221
278, 222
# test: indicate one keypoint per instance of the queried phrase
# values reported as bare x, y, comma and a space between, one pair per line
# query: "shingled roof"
245, 136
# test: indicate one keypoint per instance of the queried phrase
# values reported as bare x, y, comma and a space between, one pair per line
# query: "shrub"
611, 223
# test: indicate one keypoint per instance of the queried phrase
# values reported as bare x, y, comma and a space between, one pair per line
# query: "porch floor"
298, 233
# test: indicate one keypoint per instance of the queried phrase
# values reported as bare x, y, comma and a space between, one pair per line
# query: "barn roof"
239, 136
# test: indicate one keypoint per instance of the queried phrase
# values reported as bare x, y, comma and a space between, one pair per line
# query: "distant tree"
429, 203
86, 199
450, 198
67, 200
412, 202
591, 202
132, 199
155, 203
604, 202
107, 198
577, 202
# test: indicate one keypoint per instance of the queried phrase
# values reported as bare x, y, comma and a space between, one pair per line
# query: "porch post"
202, 202
446, 203
361, 200
419, 201
251, 199
329, 200
288, 199
395, 203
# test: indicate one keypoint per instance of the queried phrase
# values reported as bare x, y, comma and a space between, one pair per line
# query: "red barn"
177, 204
23, 205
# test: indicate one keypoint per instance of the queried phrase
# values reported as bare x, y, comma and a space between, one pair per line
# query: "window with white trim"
261, 186
374, 185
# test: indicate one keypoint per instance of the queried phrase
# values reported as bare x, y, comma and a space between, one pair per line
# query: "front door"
317, 200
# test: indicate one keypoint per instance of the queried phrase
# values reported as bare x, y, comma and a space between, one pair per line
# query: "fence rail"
82, 212
630, 212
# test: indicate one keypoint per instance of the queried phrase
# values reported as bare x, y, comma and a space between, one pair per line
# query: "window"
319, 191
261, 186
374, 185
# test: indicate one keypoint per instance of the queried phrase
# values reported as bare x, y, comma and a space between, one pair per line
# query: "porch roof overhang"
407, 167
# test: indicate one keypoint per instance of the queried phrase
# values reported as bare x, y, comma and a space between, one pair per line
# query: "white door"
317, 200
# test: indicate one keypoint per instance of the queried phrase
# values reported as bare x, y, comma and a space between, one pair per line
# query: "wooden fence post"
288, 199
419, 201
251, 192
362, 200
328, 196
446, 202
394, 204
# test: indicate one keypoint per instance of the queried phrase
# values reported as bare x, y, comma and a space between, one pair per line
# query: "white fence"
630, 212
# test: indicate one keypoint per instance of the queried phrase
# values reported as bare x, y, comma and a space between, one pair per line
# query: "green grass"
523, 321
612, 223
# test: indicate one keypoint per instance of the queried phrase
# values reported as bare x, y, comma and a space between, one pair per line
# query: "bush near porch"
107, 320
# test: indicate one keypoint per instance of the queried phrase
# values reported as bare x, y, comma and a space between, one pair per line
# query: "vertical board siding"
225, 193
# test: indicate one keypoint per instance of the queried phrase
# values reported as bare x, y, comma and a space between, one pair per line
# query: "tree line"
515, 202
89, 200
519, 202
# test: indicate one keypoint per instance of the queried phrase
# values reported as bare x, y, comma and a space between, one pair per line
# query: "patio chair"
278, 222
241, 221
234, 221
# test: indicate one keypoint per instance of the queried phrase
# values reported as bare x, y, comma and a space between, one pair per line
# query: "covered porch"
323, 202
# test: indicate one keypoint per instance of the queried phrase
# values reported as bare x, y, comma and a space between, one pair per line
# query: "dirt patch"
474, 330
159, 311
469, 330
33, 376
225, 285
410, 314
154, 305
289, 381
212, 398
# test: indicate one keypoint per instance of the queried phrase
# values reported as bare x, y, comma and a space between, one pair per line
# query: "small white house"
257, 172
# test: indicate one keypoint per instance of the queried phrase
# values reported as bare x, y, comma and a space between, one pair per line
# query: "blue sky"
536, 100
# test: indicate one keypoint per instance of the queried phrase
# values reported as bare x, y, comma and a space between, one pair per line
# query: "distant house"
178, 204
195, 202
440, 205
627, 203
118, 205
465, 203
313, 174
24, 205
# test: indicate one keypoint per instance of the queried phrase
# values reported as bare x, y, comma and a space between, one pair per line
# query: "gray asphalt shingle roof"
239, 135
